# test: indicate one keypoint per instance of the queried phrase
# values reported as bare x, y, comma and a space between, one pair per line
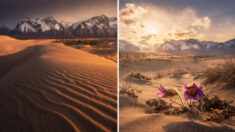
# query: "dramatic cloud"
147, 24
203, 22
131, 15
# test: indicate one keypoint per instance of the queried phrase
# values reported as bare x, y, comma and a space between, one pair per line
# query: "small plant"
222, 73
169, 93
126, 88
139, 76
216, 109
159, 75
166, 92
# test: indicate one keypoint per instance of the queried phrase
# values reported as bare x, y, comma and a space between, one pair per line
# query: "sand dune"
46, 87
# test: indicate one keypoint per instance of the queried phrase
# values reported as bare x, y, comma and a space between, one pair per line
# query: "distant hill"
127, 46
4, 30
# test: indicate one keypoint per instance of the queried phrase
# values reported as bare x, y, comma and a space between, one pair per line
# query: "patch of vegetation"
139, 76
222, 73
161, 106
216, 109
126, 88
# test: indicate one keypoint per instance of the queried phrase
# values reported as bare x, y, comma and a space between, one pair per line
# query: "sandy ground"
48, 87
176, 71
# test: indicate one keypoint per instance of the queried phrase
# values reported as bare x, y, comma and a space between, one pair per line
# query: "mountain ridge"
197, 47
48, 27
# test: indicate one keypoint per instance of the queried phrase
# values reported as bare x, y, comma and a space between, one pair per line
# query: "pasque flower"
163, 92
193, 92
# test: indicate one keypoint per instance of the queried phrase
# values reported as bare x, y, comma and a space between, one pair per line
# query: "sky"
147, 22
13, 11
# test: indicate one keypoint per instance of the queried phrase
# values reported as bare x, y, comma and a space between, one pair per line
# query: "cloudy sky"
155, 21
12, 11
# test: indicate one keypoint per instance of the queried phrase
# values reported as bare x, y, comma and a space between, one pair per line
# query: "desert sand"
172, 72
49, 87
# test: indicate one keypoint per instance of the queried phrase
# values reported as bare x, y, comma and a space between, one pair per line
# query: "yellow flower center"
192, 91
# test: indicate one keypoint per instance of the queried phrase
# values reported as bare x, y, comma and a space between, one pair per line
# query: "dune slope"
50, 87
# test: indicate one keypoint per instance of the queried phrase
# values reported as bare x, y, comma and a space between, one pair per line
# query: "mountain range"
196, 47
48, 27
187, 47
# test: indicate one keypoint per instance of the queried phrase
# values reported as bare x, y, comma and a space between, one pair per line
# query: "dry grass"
222, 73
126, 88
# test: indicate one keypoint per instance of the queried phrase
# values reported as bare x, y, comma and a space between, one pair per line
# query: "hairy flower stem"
180, 99
190, 102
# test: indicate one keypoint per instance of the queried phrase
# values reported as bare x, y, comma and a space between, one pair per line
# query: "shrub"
222, 73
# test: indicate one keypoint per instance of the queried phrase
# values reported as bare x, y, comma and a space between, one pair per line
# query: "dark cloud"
187, 32
148, 37
15, 10
127, 12
128, 22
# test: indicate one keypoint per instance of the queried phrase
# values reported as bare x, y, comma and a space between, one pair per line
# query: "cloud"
129, 22
131, 14
203, 22
187, 32
146, 39
155, 24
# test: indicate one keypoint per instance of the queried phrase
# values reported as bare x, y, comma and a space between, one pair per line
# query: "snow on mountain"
48, 27
38, 25
230, 43
193, 46
66, 24
100, 26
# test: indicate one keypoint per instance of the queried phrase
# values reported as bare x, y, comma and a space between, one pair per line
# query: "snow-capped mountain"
48, 27
127, 46
196, 47
98, 26
230, 43
4, 30
66, 24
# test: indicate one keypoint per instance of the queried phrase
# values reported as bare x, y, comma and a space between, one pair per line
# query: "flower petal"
201, 87
186, 96
185, 87
196, 97
194, 85
161, 95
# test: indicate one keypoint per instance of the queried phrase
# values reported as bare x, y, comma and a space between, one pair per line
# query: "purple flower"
162, 92
193, 92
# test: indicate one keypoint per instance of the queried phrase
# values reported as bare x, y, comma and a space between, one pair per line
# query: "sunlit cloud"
146, 24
